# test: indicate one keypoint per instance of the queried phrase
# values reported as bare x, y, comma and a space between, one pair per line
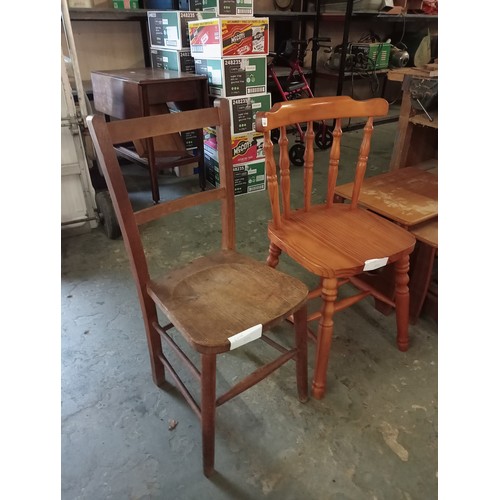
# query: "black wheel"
275, 135
323, 138
296, 154
96, 177
107, 215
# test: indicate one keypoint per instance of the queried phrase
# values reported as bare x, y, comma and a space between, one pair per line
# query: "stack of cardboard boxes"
169, 38
169, 48
222, 40
231, 50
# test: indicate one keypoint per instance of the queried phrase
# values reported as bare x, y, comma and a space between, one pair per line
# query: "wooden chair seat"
230, 293
336, 242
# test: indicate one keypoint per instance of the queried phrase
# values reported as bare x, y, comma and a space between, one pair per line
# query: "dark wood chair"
336, 242
218, 302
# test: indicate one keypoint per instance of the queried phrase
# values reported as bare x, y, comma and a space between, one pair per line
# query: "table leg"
421, 273
153, 170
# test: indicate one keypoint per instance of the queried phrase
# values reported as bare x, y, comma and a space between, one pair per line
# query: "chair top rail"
318, 109
152, 126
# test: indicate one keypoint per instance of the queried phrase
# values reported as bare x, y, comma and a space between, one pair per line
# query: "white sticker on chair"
372, 264
264, 122
246, 336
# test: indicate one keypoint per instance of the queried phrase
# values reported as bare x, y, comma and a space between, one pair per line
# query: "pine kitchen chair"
337, 242
218, 302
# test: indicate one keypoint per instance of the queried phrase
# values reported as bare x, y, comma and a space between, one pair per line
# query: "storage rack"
304, 16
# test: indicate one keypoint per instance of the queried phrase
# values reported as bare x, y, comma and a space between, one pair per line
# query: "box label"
177, 60
228, 36
171, 29
229, 7
245, 147
248, 177
244, 109
233, 77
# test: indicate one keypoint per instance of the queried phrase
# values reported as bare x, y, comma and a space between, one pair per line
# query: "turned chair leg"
208, 365
402, 302
300, 324
325, 334
274, 255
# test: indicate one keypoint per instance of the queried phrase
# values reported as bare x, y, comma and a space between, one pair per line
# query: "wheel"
296, 154
275, 135
323, 138
107, 215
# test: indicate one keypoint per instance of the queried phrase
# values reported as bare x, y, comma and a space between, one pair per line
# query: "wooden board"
397, 75
421, 119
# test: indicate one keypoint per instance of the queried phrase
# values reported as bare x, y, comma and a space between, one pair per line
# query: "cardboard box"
246, 148
229, 7
190, 138
248, 177
169, 29
178, 60
191, 5
234, 76
160, 4
187, 170
126, 4
80, 4
229, 36
402, 6
220, 7
244, 109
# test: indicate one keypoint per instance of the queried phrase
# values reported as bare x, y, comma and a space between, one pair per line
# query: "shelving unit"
140, 16
305, 16
347, 18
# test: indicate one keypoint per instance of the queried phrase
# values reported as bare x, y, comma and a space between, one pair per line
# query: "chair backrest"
105, 135
316, 109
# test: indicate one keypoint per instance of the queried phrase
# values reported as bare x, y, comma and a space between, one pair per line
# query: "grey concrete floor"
373, 436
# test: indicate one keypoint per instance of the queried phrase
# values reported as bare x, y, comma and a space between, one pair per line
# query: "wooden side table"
132, 93
408, 197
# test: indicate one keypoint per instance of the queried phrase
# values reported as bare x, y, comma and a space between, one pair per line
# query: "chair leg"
274, 255
402, 302
300, 324
325, 333
208, 364
154, 341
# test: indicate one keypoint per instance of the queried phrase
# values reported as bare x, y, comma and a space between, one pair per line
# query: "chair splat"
308, 165
333, 164
364, 151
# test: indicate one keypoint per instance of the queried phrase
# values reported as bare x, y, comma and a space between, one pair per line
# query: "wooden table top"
408, 196
145, 76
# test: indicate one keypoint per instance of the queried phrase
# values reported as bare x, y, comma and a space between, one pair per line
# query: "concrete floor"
374, 435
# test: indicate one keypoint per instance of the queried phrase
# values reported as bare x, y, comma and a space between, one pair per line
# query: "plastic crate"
379, 53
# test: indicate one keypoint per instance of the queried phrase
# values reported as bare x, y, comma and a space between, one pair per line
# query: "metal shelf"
285, 15
100, 14
97, 14
340, 16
